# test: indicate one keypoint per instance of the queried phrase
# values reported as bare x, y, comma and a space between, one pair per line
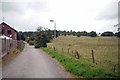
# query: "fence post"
78, 56
114, 67
75, 53
54, 48
72, 52
62, 50
93, 57
68, 50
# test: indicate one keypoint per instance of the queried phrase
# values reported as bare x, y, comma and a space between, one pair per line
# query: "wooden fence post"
93, 57
72, 52
54, 48
78, 56
68, 50
114, 68
75, 53
62, 50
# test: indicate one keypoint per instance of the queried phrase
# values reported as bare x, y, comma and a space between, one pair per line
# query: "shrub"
37, 46
31, 42
21, 46
108, 33
92, 34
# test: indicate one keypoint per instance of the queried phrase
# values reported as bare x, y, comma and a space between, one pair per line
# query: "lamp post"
117, 25
54, 33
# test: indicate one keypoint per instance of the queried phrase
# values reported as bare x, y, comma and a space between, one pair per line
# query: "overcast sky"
76, 15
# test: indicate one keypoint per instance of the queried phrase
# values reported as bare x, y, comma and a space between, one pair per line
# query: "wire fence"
76, 54
7, 45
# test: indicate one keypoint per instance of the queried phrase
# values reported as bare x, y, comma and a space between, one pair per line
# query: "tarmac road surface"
32, 63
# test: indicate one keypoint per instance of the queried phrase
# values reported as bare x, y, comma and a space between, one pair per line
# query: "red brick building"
8, 31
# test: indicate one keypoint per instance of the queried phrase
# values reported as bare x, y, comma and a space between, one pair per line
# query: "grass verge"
21, 46
79, 68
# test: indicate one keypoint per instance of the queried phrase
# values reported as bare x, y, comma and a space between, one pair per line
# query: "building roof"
3, 36
3, 23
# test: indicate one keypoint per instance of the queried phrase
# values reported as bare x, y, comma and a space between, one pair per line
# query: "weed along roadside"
13, 53
80, 69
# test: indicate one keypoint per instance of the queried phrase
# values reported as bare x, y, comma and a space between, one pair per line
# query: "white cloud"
78, 15
0, 12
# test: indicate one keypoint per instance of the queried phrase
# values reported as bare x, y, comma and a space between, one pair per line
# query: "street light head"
51, 20
115, 25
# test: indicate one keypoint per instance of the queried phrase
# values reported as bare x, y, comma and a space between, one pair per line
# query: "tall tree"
43, 36
107, 33
117, 34
92, 34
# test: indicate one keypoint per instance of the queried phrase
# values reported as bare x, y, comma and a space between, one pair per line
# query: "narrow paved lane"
32, 63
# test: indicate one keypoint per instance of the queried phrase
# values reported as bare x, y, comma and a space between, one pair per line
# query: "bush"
117, 34
78, 35
37, 46
31, 42
108, 33
21, 46
92, 34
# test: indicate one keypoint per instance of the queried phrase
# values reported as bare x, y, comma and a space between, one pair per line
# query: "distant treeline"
23, 35
40, 37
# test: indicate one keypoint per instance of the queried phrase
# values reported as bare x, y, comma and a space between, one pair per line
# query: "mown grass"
78, 68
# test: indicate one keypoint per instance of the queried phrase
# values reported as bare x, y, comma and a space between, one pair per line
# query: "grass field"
105, 50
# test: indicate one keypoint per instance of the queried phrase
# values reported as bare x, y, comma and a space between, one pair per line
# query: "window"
8, 31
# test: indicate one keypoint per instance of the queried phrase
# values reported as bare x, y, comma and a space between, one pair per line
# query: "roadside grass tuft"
21, 46
77, 67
